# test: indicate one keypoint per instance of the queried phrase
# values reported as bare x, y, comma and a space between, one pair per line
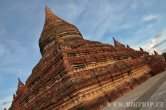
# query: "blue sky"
134, 22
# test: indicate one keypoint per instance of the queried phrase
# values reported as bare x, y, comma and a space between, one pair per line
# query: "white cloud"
139, 37
93, 18
5, 102
156, 43
150, 17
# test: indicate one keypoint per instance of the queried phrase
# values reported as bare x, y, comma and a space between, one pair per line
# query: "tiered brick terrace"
79, 74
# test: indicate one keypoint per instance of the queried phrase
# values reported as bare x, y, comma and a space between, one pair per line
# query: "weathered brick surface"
75, 73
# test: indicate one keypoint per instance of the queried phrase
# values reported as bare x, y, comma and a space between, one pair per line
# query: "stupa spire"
47, 10
117, 44
50, 16
55, 28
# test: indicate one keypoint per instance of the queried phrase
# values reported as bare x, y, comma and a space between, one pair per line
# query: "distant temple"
79, 74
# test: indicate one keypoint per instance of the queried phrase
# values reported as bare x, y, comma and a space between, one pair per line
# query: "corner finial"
155, 53
128, 46
141, 49
14, 96
117, 44
115, 41
20, 84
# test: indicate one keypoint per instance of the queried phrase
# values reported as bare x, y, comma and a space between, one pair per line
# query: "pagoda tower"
79, 74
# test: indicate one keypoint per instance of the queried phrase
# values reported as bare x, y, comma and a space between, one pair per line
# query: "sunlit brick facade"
79, 74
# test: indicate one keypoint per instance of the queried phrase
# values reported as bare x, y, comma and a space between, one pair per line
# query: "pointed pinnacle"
50, 16
155, 52
115, 41
128, 46
14, 96
48, 10
20, 84
117, 44
141, 49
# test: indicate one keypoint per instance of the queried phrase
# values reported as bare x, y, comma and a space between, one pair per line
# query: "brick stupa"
79, 74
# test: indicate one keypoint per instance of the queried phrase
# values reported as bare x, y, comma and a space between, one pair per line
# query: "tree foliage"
164, 54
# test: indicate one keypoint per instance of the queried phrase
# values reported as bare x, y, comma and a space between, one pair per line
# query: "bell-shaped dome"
56, 27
